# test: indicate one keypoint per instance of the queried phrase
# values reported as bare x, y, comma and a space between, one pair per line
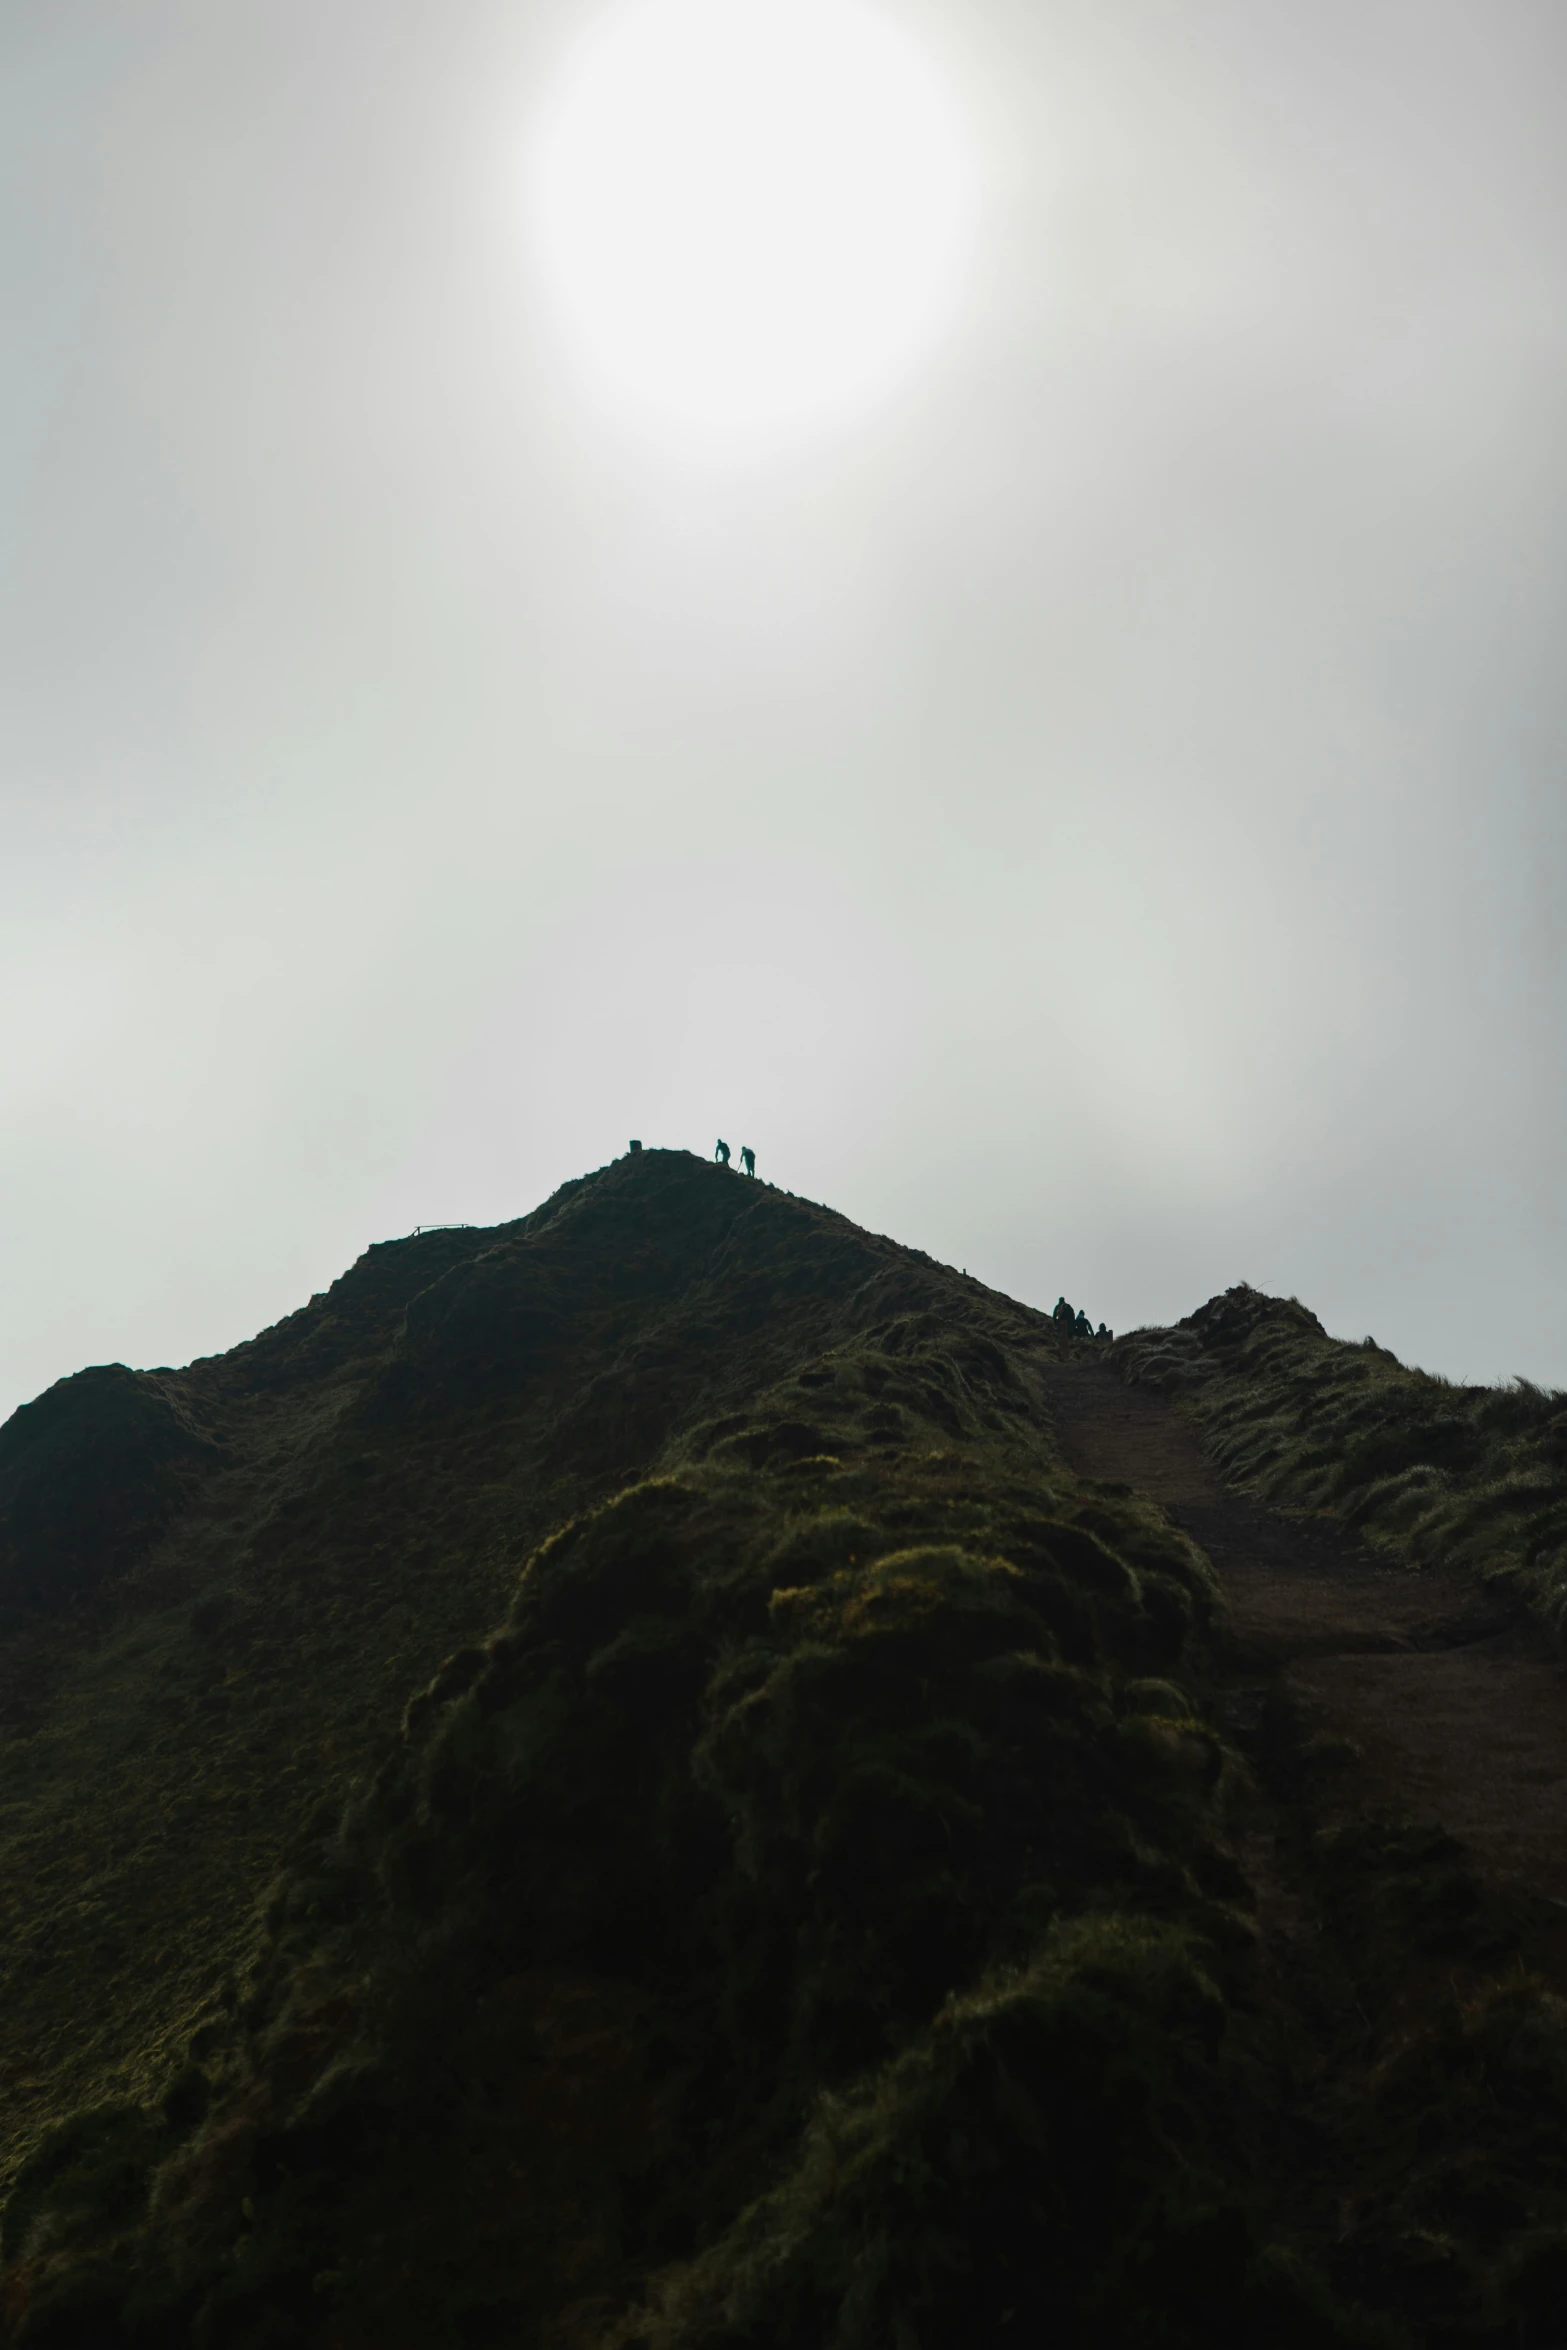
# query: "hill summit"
610, 1785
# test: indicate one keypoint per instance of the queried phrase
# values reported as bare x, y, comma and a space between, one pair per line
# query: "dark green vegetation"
831, 1893
89, 1475
220, 1583
1469, 1476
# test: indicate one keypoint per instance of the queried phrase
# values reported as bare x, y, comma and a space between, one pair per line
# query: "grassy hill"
605, 1786
1431, 1471
220, 1584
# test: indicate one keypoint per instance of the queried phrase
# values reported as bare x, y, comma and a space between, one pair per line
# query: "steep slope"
781, 1753
221, 1582
838, 1880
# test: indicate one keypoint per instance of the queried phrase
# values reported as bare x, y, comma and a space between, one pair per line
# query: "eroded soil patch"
1451, 1707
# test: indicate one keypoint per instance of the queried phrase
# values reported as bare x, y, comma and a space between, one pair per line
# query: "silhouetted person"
1102, 1332
722, 1154
1061, 1311
1082, 1327
748, 1159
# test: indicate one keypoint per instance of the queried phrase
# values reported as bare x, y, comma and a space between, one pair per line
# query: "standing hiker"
1062, 1312
722, 1153
748, 1159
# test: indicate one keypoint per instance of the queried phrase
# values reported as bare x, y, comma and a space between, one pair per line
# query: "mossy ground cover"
225, 1632
816, 1900
1435, 1472
822, 1799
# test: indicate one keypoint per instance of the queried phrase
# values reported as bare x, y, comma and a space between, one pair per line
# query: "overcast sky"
1095, 814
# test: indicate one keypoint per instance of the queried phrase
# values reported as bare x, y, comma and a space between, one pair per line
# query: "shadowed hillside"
837, 1879
219, 1584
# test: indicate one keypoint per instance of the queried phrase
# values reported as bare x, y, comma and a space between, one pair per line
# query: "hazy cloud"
1099, 819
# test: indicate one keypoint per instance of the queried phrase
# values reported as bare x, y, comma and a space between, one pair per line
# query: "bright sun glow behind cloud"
752, 216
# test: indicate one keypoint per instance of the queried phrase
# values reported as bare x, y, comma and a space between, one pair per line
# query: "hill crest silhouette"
624, 1790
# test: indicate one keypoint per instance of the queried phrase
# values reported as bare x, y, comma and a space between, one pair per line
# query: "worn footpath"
1450, 1705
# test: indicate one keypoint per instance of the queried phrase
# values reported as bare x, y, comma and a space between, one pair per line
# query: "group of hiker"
1075, 1322
747, 1157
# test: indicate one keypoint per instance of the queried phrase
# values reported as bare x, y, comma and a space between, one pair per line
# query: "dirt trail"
1457, 1708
